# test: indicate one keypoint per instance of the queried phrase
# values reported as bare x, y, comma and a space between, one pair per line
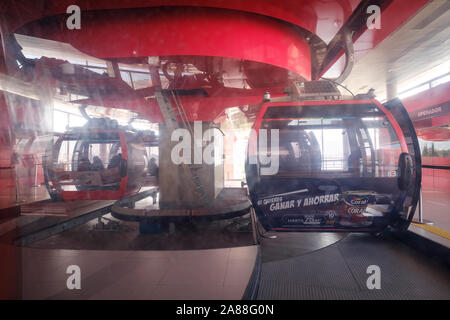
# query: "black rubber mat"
339, 271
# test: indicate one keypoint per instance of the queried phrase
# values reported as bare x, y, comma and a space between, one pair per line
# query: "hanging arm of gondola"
84, 113
349, 56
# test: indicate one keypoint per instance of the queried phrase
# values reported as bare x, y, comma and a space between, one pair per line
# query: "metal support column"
420, 219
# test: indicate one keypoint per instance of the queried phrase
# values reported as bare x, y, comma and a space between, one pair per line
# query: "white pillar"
391, 89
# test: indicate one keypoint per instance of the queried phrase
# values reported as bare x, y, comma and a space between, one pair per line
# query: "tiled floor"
184, 274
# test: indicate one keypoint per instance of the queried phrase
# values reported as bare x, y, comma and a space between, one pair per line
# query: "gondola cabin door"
332, 166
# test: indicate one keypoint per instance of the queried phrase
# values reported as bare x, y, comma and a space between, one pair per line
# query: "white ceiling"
37, 47
420, 44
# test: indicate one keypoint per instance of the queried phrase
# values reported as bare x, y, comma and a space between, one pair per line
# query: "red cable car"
95, 164
333, 165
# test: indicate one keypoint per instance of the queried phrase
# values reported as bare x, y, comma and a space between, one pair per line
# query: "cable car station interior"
225, 150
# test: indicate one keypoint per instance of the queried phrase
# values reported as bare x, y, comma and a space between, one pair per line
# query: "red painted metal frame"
253, 30
324, 18
423, 100
433, 128
196, 108
389, 116
428, 98
184, 32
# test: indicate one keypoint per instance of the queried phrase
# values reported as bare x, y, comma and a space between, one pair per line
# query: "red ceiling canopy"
268, 43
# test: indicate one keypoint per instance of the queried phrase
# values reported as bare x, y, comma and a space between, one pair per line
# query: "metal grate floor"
339, 272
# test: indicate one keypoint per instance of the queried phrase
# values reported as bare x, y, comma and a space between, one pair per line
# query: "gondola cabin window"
334, 139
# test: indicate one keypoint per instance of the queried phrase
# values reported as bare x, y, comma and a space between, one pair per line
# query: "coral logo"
358, 201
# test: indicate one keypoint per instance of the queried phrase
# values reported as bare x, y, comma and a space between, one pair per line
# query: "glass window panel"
347, 139
76, 121
60, 121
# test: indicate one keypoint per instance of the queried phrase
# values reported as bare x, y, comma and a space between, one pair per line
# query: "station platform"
305, 266
216, 260
435, 207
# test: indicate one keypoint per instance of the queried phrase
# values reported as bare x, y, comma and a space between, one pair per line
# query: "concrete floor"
436, 204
